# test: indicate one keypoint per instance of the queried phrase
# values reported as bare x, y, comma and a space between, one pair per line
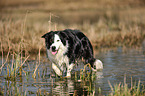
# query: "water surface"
118, 65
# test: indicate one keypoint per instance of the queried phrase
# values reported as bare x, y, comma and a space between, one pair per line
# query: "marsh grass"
37, 65
21, 31
12, 36
122, 89
14, 68
86, 73
112, 25
86, 77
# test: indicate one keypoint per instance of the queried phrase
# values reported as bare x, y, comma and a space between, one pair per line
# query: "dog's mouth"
54, 52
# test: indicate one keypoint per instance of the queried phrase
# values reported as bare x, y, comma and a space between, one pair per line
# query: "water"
118, 65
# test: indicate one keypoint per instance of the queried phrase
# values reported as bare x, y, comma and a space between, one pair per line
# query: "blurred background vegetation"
107, 23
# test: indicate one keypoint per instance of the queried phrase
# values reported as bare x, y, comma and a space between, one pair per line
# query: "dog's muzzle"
54, 51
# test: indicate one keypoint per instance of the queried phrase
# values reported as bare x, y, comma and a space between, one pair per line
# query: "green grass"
14, 69
122, 89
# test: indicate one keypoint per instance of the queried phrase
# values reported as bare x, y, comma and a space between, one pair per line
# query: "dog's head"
54, 41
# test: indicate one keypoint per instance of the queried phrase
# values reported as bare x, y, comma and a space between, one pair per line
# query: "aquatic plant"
3, 63
14, 69
122, 89
86, 77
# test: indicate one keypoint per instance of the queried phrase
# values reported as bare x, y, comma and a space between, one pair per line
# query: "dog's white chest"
59, 59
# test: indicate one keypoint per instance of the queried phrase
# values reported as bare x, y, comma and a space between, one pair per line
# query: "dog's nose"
53, 48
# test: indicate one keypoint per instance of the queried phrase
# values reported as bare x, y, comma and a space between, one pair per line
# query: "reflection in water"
116, 64
53, 86
63, 87
75, 86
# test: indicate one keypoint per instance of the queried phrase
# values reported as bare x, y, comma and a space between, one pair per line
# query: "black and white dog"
65, 47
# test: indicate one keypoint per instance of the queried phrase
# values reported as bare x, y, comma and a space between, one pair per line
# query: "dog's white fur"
59, 60
97, 65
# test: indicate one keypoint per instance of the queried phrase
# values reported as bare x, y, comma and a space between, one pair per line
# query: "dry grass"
107, 24
14, 37
126, 38
29, 36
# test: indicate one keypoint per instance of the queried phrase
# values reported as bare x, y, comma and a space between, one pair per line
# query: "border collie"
65, 47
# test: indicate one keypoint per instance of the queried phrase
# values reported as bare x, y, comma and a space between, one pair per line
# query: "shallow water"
118, 65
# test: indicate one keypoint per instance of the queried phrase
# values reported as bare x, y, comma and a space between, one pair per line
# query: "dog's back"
82, 47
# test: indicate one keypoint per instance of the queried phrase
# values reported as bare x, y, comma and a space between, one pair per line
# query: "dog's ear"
47, 34
63, 37
43, 36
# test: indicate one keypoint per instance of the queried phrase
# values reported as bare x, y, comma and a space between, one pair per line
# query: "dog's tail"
97, 64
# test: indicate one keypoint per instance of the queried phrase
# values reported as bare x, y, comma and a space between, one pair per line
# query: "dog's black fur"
78, 45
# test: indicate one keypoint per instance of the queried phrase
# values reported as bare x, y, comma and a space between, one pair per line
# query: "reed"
122, 89
3, 63
11, 36
86, 76
14, 68
37, 65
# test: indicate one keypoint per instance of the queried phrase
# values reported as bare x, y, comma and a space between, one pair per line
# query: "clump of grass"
85, 74
14, 69
123, 89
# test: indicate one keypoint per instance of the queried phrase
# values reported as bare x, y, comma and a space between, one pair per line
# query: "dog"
67, 46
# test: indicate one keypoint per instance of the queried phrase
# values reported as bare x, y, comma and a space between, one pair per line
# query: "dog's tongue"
53, 53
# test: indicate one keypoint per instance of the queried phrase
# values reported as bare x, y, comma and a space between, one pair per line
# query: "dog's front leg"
69, 68
56, 69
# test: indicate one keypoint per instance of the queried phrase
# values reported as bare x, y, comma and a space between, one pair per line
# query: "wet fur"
73, 45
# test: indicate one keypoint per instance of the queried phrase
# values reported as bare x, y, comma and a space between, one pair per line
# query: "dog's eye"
58, 40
